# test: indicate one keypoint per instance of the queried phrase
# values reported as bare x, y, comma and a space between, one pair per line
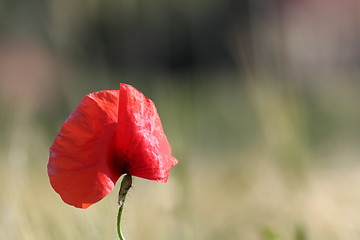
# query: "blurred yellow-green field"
264, 120
255, 162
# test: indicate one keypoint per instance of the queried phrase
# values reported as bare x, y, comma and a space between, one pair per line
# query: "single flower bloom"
110, 133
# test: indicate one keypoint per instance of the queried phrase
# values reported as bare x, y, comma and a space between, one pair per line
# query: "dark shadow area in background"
178, 40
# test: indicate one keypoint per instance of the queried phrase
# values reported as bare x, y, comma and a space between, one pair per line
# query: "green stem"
124, 188
120, 234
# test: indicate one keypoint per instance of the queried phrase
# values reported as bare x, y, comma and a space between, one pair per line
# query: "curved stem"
124, 188
121, 236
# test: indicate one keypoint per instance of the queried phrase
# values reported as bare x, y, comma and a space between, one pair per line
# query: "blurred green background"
259, 100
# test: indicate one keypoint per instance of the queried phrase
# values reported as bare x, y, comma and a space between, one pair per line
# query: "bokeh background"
259, 100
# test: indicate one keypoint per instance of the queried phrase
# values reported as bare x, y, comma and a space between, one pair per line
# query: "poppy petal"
143, 148
81, 166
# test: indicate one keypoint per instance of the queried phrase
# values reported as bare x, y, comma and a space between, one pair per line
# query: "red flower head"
110, 133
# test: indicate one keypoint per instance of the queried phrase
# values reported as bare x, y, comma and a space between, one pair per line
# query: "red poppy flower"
110, 133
